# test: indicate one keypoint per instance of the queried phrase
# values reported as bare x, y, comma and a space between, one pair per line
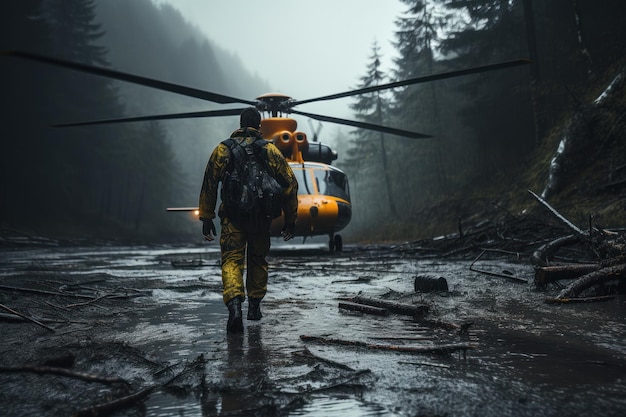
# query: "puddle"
340, 407
528, 358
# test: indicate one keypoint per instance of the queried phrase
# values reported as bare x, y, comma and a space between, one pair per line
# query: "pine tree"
499, 111
368, 154
71, 179
416, 107
78, 157
24, 155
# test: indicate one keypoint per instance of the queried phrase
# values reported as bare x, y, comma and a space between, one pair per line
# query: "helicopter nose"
314, 211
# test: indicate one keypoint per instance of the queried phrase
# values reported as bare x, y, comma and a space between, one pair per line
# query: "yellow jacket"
216, 168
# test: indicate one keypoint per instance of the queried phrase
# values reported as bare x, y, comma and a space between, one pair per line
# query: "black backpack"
248, 189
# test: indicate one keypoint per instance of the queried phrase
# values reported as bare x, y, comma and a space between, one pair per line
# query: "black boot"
254, 309
235, 322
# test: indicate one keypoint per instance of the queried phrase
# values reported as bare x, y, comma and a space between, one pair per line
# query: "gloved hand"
208, 230
288, 231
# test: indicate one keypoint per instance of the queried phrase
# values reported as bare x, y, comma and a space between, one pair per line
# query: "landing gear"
335, 244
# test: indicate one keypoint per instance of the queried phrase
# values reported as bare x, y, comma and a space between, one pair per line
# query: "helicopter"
324, 205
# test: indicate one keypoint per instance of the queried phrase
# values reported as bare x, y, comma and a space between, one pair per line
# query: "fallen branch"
598, 277
437, 349
404, 338
547, 274
12, 318
37, 322
61, 372
197, 363
43, 292
541, 256
436, 365
579, 300
558, 215
112, 406
166, 369
393, 307
495, 274
307, 353
346, 305
110, 295
340, 381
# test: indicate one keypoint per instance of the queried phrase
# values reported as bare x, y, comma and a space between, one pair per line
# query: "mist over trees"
485, 126
112, 180
367, 153
117, 180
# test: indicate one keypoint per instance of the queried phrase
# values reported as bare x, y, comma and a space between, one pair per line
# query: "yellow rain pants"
234, 239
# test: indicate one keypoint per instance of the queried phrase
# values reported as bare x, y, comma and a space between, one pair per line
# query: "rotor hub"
274, 103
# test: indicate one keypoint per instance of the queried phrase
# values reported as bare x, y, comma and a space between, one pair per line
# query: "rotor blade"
417, 80
210, 113
135, 79
363, 125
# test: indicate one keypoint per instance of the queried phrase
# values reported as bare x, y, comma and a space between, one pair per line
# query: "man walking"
249, 232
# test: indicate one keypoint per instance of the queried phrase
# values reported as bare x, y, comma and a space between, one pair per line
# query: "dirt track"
153, 316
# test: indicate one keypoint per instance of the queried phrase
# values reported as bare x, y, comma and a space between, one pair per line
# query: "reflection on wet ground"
529, 359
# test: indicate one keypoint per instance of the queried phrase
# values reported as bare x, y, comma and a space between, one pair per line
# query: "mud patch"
131, 314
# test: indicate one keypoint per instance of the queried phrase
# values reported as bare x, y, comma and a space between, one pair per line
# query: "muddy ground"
147, 323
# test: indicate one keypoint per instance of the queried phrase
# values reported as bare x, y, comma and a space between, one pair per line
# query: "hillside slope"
579, 167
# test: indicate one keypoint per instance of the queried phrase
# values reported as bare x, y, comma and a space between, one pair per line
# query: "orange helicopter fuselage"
323, 194
323, 200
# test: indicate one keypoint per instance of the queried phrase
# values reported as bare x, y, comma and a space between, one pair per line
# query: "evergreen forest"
115, 181
494, 132
106, 181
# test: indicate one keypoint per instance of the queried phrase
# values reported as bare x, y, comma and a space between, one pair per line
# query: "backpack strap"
230, 143
260, 150
258, 146
235, 152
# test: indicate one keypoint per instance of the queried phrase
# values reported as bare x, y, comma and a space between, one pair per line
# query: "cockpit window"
314, 180
304, 182
334, 183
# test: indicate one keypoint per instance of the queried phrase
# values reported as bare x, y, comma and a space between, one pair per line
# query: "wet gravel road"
154, 317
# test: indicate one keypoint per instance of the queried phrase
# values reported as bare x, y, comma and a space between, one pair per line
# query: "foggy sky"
302, 48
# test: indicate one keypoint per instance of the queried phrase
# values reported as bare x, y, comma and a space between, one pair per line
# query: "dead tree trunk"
595, 278
541, 257
547, 274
